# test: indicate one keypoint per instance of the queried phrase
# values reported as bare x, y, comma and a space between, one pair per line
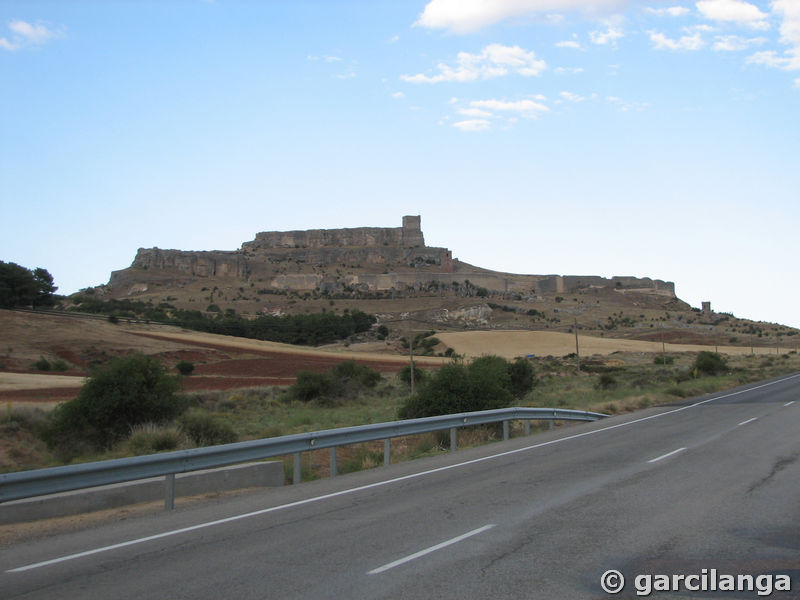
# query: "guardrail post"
453, 439
297, 474
169, 491
334, 461
553, 421
387, 452
527, 426
505, 431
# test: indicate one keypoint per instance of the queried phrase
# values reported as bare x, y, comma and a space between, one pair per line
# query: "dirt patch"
30, 381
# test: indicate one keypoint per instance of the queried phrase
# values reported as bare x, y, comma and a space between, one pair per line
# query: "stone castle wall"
407, 236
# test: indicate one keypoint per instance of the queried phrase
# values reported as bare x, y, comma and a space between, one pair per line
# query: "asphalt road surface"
708, 487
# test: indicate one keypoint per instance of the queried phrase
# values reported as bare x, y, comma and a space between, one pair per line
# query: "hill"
391, 273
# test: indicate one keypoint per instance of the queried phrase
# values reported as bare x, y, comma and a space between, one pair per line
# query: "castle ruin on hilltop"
363, 259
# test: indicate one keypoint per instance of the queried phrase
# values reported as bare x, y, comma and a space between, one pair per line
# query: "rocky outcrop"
342, 260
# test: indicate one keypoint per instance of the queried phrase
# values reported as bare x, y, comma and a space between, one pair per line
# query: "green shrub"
710, 363
663, 360
347, 377
350, 371
205, 430
606, 382
311, 386
482, 385
60, 365
522, 377
185, 367
129, 391
405, 375
43, 364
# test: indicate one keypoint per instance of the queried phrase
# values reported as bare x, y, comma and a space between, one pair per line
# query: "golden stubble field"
510, 344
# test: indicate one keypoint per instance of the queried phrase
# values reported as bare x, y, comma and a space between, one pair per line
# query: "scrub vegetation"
95, 427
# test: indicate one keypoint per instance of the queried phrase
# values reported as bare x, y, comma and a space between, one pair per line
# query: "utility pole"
577, 349
411, 358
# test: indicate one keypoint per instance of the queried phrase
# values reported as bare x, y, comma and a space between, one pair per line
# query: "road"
710, 483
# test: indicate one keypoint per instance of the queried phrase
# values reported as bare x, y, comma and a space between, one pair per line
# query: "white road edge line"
748, 421
410, 557
379, 483
666, 455
789, 403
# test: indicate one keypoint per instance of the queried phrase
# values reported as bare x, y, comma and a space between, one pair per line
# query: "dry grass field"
510, 344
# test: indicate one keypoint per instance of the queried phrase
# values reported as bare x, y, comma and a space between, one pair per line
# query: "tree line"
21, 287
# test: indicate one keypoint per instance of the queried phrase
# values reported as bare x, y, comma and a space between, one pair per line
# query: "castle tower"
412, 232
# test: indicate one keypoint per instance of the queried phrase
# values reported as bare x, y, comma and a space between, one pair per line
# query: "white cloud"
394, 39
736, 11
475, 112
569, 96
687, 42
6, 45
672, 11
561, 70
770, 58
495, 60
797, 82
734, 43
35, 34
473, 125
463, 16
525, 108
699, 28
569, 44
609, 37
28, 34
789, 11
398, 95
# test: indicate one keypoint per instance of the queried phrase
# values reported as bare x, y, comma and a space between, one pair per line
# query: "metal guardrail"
26, 484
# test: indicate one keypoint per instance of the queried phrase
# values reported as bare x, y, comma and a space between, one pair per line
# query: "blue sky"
603, 137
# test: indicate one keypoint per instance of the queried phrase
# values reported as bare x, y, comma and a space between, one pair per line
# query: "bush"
710, 363
148, 438
663, 360
351, 372
606, 382
205, 430
484, 384
347, 377
129, 391
522, 377
185, 367
311, 386
405, 375
59, 365
43, 364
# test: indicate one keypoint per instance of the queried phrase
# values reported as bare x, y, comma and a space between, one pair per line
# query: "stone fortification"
364, 259
407, 236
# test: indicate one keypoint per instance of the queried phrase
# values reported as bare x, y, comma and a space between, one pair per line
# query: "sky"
577, 137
